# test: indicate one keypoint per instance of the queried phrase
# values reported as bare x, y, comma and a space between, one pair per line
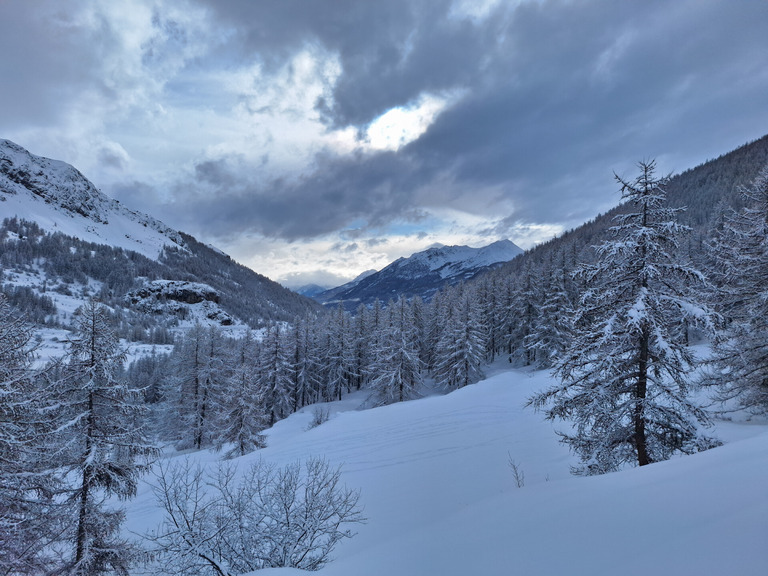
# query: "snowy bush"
319, 416
229, 523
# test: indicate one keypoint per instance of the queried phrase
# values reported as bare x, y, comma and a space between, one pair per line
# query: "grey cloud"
557, 95
320, 277
45, 63
391, 52
112, 157
373, 188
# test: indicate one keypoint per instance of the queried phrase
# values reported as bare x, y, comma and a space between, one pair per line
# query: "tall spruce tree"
461, 349
624, 376
104, 440
194, 390
243, 404
29, 517
276, 370
551, 333
741, 251
397, 365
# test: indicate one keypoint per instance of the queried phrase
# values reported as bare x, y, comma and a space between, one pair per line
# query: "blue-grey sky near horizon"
313, 140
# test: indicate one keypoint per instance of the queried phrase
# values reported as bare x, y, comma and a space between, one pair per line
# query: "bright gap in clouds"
404, 124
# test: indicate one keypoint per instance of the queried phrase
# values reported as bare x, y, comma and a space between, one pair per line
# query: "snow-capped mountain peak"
422, 273
449, 261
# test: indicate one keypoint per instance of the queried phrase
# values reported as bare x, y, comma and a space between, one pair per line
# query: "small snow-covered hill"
441, 499
422, 274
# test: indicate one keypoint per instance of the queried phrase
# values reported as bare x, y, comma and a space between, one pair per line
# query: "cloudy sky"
315, 139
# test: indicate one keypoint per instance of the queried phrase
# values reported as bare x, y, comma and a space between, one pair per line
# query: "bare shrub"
266, 517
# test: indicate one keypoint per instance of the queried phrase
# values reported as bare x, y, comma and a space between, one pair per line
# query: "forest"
611, 308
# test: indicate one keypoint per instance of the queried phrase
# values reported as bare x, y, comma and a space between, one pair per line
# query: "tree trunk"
82, 532
640, 393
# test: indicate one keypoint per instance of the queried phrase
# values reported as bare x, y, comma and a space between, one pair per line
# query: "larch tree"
460, 353
29, 517
551, 333
104, 442
276, 369
397, 366
338, 356
625, 375
193, 392
245, 415
741, 252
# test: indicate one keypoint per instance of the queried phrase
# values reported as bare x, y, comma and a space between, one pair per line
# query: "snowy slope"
441, 500
422, 273
57, 198
60, 199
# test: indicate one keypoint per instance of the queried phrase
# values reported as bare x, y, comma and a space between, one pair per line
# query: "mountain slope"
59, 198
64, 240
440, 497
704, 191
421, 274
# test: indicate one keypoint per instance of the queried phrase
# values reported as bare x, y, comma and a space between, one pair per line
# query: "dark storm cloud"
554, 96
374, 188
390, 51
558, 95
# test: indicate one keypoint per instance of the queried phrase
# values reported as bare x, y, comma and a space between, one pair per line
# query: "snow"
67, 202
440, 497
450, 261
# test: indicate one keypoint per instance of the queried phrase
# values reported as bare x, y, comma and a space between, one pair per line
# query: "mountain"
59, 198
705, 192
63, 241
310, 290
329, 294
421, 274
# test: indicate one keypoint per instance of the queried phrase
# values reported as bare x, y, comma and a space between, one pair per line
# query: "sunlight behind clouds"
404, 124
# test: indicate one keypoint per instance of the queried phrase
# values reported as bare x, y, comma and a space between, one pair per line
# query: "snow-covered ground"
441, 499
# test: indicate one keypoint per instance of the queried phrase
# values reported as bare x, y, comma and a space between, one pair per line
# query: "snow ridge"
59, 198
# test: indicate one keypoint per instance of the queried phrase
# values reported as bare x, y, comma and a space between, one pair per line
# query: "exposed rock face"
176, 290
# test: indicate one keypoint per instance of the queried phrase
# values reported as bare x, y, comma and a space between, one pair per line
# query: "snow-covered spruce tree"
29, 518
338, 356
306, 368
193, 392
276, 369
244, 412
361, 342
741, 253
397, 366
552, 330
105, 444
460, 352
525, 310
624, 376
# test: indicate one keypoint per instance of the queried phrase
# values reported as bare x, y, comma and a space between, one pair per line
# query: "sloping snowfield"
441, 499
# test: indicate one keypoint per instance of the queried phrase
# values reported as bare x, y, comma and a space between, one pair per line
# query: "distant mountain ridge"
57, 201
421, 274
